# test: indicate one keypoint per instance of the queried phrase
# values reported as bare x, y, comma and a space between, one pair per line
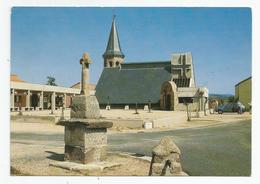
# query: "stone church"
167, 85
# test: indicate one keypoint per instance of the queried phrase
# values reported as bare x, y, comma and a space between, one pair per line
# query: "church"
166, 85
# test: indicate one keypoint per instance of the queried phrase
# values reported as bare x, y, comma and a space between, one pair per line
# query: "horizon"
49, 41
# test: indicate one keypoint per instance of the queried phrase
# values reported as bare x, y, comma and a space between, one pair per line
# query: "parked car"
231, 107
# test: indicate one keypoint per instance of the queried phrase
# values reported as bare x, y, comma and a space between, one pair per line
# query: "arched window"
117, 63
110, 64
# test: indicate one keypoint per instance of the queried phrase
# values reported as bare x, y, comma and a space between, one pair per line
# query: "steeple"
113, 56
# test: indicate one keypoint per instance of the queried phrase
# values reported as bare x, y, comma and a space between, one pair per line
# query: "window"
183, 58
179, 60
117, 63
110, 64
17, 98
185, 100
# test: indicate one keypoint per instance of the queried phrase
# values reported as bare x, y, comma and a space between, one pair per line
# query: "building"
243, 92
167, 85
26, 96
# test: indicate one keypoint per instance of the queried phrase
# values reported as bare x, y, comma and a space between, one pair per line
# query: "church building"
167, 85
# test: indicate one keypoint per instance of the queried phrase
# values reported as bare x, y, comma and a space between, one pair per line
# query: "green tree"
232, 99
51, 81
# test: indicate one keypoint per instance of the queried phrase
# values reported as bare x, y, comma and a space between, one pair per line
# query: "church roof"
113, 45
132, 84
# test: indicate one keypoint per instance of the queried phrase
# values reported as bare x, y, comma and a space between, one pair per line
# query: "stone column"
114, 64
12, 98
85, 61
28, 99
40, 104
53, 102
64, 100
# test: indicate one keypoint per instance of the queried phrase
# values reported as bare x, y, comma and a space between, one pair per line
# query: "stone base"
85, 155
85, 139
94, 168
85, 107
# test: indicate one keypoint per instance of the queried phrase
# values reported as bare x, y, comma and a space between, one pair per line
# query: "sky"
51, 41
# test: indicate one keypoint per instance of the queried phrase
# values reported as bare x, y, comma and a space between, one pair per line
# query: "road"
223, 150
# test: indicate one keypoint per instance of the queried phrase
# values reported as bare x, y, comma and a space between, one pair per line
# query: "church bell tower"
113, 56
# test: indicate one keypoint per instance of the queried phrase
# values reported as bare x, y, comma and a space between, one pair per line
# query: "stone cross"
183, 67
85, 61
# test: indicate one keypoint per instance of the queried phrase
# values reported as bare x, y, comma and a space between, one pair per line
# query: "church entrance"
168, 102
168, 96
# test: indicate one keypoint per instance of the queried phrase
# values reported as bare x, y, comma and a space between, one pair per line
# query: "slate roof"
134, 82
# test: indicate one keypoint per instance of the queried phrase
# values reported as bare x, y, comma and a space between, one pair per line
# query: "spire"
113, 45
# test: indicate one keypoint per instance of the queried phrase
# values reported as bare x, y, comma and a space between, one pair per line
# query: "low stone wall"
34, 119
170, 121
182, 107
42, 115
127, 123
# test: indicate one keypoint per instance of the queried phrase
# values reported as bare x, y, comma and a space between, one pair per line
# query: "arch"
168, 96
117, 63
110, 64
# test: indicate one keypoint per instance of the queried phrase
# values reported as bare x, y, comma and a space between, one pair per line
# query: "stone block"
85, 139
75, 135
74, 154
166, 159
85, 107
148, 125
157, 169
95, 137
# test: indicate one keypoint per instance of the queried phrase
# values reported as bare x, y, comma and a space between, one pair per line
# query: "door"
168, 102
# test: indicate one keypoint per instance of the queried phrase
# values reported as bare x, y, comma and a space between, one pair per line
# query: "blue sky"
50, 41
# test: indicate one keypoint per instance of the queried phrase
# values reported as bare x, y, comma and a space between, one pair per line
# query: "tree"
186, 103
51, 81
232, 99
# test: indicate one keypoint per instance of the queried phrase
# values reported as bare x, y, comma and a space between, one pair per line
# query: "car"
231, 107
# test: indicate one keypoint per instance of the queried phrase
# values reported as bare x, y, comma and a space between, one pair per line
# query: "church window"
188, 73
185, 100
179, 60
117, 63
110, 64
183, 58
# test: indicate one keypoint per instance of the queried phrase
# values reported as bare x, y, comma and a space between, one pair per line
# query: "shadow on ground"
55, 156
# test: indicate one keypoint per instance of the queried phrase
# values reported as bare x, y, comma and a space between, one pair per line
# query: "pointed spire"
113, 45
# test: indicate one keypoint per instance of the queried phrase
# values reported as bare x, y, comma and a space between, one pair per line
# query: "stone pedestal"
85, 107
85, 140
